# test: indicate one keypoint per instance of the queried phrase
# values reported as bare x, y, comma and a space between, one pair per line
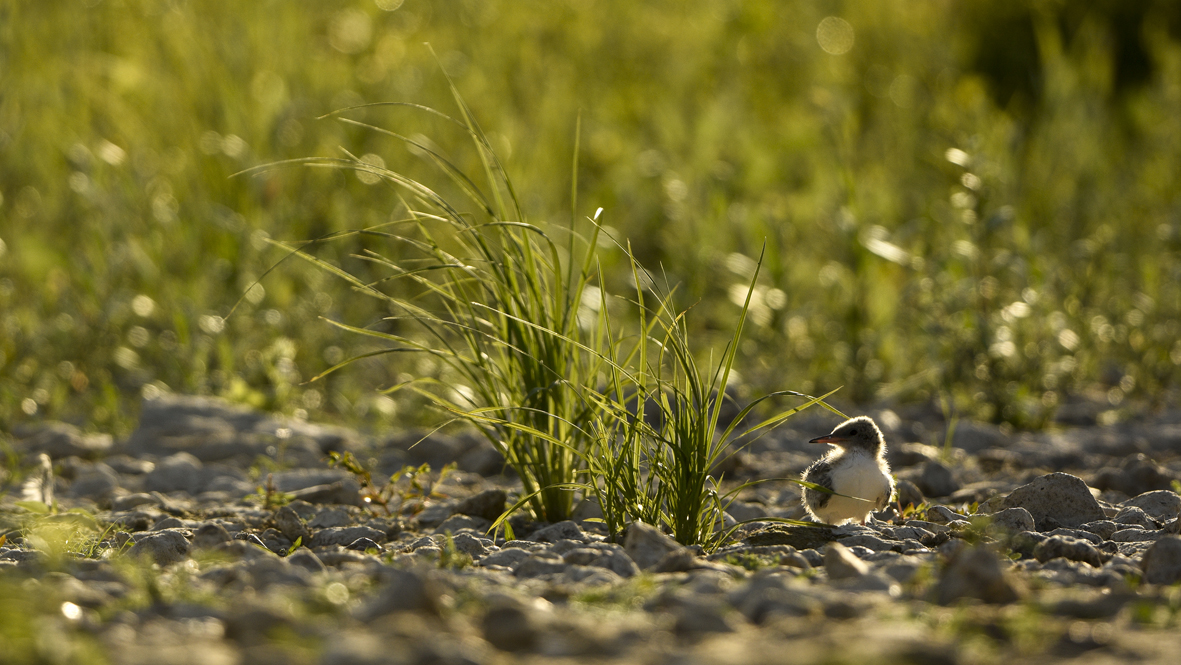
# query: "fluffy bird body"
855, 467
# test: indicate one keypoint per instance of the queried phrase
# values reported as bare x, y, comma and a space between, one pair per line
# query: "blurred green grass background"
973, 203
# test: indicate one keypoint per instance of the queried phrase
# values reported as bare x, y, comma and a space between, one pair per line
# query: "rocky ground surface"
216, 534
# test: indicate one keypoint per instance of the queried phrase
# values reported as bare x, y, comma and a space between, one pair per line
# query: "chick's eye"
853, 432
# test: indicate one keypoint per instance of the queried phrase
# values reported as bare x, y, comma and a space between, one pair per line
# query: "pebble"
977, 572
647, 545
162, 547
840, 563
1066, 547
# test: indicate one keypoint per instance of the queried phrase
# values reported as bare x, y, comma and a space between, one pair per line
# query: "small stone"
614, 559
163, 547
328, 518
647, 545
937, 479
457, 523
508, 558
180, 472
942, 515
306, 559
488, 504
538, 565
566, 530
1066, 547
471, 545
403, 591
1135, 474
976, 572
123, 503
97, 483
1161, 505
291, 525
1136, 535
799, 537
909, 494
1056, 499
210, 535
1162, 562
344, 536
511, 624
1102, 528
841, 564
679, 560
1134, 516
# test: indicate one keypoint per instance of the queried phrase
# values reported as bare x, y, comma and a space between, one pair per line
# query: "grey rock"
1102, 528
1056, 499
60, 440
435, 513
162, 547
306, 559
1134, 516
97, 483
799, 537
1066, 547
473, 546
180, 472
1162, 561
457, 523
840, 563
482, 459
1013, 520
586, 509
508, 558
769, 594
129, 466
942, 515
1161, 505
1080, 534
647, 545
936, 480
976, 572
511, 625
538, 565
345, 535
210, 535
328, 518
1136, 535
291, 525
700, 617
869, 542
908, 493
402, 591
488, 504
1136, 474
129, 501
613, 559
567, 530
680, 560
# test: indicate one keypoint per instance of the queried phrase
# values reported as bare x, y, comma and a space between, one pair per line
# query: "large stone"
1162, 561
162, 547
1136, 474
291, 525
647, 545
488, 504
1055, 500
1161, 505
976, 572
1014, 520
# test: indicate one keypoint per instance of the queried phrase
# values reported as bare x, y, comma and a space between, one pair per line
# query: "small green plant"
269, 497
406, 491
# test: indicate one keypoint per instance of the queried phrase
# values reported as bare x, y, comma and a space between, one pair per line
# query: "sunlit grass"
931, 227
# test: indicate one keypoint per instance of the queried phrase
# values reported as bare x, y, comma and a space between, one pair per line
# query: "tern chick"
855, 467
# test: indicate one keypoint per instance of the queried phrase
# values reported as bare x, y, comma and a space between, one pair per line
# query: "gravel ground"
1062, 546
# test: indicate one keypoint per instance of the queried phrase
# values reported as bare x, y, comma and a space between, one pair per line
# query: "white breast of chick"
856, 474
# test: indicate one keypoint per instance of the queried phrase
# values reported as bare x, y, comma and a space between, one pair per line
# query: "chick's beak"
829, 438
